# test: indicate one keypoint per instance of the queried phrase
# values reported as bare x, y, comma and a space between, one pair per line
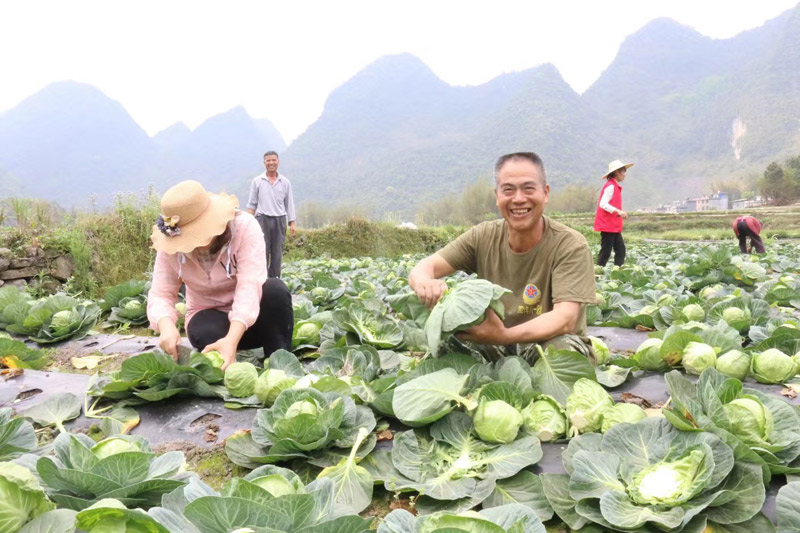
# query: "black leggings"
755, 240
607, 242
271, 331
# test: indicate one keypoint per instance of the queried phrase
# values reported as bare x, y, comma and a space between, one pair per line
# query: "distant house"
720, 201
746, 203
686, 206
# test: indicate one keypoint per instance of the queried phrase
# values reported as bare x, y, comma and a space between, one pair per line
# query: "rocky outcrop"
34, 262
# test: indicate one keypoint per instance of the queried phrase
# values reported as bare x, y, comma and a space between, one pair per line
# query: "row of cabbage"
705, 463
61, 317
707, 308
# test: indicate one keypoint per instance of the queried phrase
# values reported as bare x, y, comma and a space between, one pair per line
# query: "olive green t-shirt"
558, 269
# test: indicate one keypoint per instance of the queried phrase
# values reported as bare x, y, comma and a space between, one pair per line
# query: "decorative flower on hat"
169, 225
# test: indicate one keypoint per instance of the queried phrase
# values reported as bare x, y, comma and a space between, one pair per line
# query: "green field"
362, 423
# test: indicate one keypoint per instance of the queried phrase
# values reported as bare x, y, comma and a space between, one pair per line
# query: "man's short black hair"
271, 152
527, 156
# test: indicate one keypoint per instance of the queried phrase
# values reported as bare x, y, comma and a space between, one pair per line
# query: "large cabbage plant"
512, 517
300, 423
765, 423
54, 319
127, 303
155, 376
451, 468
17, 436
649, 476
267, 500
122, 467
21, 497
462, 307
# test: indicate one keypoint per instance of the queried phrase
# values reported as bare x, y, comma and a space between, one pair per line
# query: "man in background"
748, 226
272, 203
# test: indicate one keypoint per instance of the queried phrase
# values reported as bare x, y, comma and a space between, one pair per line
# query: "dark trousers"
271, 331
274, 229
755, 240
607, 242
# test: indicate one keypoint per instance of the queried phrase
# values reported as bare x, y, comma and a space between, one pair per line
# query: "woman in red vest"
749, 226
609, 216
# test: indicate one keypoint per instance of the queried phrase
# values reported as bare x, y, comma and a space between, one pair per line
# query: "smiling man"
547, 266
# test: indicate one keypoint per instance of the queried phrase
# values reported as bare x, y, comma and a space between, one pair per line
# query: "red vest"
603, 220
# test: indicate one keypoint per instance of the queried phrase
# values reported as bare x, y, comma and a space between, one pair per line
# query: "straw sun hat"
616, 165
191, 217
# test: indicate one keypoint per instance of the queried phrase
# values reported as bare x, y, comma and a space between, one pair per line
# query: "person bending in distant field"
272, 203
608, 218
749, 226
547, 266
204, 242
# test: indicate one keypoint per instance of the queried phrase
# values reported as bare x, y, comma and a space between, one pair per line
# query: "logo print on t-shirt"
531, 294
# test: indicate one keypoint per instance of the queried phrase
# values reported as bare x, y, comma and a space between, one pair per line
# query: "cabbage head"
21, 497
711, 291
240, 379
648, 310
693, 312
545, 418
276, 485
497, 422
698, 356
749, 420
319, 293
735, 314
586, 404
306, 381
133, 305
62, 319
180, 307
622, 412
648, 354
215, 358
650, 476
772, 366
669, 483
270, 383
306, 332
665, 300
610, 286
600, 350
734, 364
302, 407
600, 299
113, 446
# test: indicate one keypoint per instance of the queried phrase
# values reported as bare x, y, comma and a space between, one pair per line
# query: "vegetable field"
380, 417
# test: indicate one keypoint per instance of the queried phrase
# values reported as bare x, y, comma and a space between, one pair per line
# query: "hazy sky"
167, 61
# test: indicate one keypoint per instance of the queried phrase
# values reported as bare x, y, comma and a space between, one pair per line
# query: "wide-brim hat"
191, 217
616, 165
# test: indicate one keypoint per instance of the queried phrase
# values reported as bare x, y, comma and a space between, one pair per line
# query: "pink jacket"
233, 285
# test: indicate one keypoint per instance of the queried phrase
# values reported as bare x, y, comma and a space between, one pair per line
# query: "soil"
24, 395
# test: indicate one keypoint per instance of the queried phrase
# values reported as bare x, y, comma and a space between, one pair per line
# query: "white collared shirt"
271, 199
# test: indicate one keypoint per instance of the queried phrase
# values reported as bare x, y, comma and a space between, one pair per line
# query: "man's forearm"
543, 327
251, 211
423, 271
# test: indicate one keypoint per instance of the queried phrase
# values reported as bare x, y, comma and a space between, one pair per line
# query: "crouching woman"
202, 240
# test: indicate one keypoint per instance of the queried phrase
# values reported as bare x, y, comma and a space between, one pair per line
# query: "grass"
213, 466
781, 222
113, 247
359, 237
